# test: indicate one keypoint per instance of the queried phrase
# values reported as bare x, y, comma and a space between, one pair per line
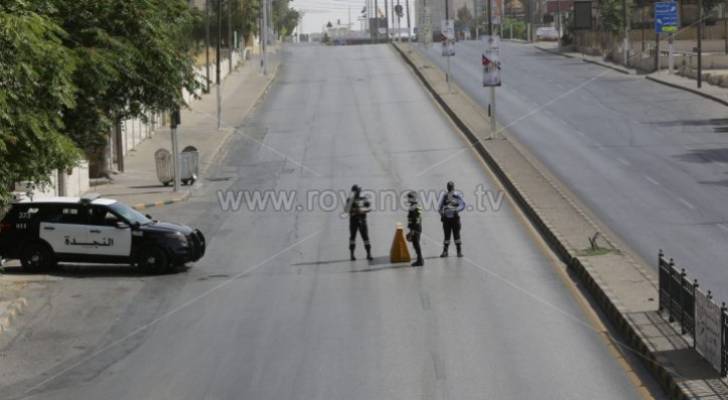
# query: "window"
100, 215
64, 214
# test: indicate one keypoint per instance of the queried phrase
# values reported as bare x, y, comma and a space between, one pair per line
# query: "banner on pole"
491, 61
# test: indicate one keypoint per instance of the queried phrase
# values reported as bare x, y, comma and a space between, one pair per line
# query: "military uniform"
414, 223
358, 207
449, 208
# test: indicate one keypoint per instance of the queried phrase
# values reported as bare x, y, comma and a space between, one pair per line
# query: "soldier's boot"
369, 252
444, 251
351, 251
420, 262
460, 249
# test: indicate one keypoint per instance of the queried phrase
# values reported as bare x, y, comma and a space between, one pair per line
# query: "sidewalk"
138, 185
712, 92
553, 47
625, 289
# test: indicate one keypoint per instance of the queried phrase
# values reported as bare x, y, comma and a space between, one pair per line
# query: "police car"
95, 230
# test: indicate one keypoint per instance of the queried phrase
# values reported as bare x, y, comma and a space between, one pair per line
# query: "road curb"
11, 312
586, 60
161, 203
687, 89
581, 268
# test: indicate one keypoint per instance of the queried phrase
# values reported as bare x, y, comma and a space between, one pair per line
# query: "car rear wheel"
153, 260
37, 257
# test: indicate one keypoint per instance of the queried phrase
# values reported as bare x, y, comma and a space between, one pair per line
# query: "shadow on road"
91, 271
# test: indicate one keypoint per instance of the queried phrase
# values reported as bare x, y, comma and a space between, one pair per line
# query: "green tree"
36, 73
285, 18
612, 15
132, 57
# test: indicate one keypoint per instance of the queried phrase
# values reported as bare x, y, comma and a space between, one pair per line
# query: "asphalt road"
651, 161
277, 311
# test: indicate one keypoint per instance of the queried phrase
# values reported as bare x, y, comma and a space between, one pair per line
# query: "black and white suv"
94, 230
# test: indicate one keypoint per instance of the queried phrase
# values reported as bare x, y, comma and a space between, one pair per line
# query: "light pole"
217, 68
492, 88
447, 45
626, 32
230, 34
207, 46
700, 43
264, 37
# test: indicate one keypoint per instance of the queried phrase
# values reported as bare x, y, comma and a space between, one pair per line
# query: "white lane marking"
623, 161
652, 181
723, 227
686, 203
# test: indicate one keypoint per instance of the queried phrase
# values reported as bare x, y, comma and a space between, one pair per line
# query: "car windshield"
129, 214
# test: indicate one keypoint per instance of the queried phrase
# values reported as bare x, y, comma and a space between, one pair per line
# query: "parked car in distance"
547, 33
91, 229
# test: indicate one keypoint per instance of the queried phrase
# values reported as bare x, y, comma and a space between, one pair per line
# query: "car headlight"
179, 237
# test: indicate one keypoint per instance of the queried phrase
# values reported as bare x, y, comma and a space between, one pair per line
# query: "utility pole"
626, 32
409, 28
725, 28
558, 19
399, 24
386, 16
217, 69
475, 18
207, 46
265, 37
230, 34
492, 88
700, 43
447, 46
376, 21
174, 121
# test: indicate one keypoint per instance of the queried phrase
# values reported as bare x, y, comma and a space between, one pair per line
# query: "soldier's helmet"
356, 189
450, 186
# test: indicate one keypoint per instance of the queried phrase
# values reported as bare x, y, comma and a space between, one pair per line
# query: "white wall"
75, 184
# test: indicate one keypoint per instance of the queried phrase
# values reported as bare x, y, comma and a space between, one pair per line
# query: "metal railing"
677, 294
677, 298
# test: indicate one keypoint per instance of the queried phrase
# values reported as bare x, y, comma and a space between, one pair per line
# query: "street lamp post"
217, 68
207, 46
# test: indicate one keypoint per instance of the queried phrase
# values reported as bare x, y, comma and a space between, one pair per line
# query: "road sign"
447, 28
666, 17
491, 61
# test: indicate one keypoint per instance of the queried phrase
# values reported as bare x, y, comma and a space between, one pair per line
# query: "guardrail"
698, 315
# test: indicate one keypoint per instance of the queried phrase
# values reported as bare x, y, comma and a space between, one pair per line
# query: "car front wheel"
153, 260
37, 257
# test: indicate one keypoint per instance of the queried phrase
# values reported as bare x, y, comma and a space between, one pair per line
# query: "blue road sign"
666, 18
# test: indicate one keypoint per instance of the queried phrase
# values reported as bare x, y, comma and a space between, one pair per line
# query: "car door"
108, 233
64, 227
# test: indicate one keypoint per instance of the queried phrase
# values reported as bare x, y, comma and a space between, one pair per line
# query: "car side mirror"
121, 225
148, 216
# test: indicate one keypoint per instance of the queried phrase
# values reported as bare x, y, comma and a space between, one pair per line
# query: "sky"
316, 13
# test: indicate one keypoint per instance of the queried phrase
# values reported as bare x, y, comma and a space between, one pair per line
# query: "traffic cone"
400, 251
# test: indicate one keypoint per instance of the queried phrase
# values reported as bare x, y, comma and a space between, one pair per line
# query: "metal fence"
677, 295
677, 298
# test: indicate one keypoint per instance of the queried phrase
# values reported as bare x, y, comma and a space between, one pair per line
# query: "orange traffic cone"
399, 252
